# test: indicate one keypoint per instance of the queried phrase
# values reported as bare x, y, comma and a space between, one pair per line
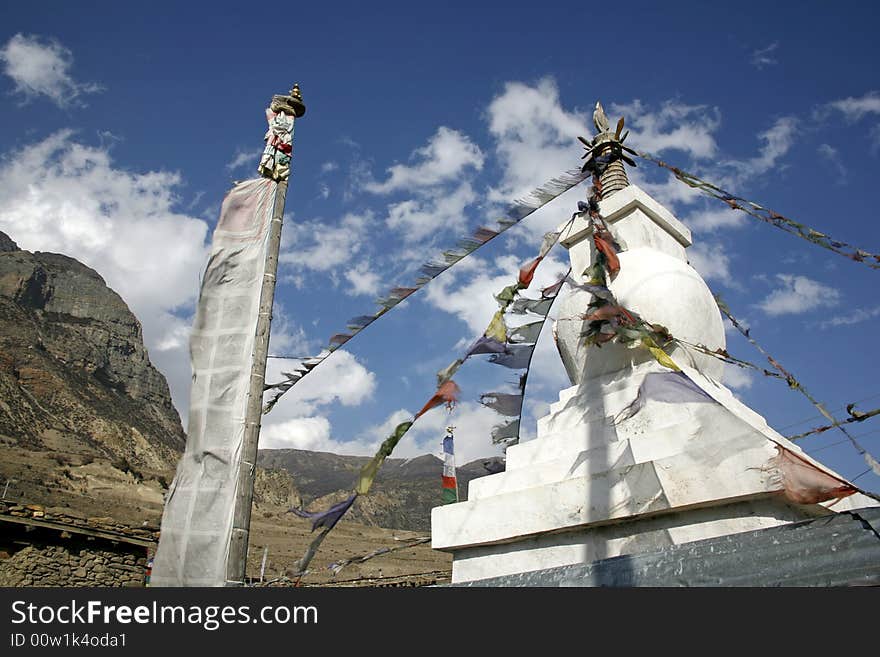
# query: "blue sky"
122, 126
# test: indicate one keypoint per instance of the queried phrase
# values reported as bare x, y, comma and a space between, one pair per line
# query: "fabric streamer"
337, 566
767, 216
449, 481
796, 385
197, 519
855, 416
446, 393
515, 213
502, 402
327, 518
668, 387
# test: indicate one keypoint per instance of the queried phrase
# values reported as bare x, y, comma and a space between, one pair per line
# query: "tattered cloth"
198, 517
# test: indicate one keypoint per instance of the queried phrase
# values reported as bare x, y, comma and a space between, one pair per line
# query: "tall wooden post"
291, 106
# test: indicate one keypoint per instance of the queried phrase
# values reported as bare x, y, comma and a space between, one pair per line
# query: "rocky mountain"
404, 492
85, 418
87, 422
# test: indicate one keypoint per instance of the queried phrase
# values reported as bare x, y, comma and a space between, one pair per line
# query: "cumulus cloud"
675, 126
535, 138
798, 294
311, 433
711, 260
714, 219
321, 246
122, 224
778, 140
445, 157
418, 217
341, 379
468, 290
737, 378
363, 281
854, 108
41, 67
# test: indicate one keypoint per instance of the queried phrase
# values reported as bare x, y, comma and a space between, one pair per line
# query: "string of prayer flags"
513, 214
796, 385
446, 393
449, 371
337, 566
449, 481
855, 416
766, 215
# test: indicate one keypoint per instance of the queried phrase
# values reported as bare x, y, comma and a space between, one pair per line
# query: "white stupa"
605, 477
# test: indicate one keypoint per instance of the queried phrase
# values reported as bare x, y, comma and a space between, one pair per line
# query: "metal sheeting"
842, 549
198, 516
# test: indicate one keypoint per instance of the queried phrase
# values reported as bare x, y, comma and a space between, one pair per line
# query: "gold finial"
296, 93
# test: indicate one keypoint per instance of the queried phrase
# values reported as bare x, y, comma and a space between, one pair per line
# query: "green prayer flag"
368, 472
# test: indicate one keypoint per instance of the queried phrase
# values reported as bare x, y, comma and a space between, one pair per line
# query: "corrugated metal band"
842, 549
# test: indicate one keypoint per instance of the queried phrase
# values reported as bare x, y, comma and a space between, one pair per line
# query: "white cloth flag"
197, 520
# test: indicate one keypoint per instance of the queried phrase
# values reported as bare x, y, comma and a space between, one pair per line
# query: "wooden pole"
236, 564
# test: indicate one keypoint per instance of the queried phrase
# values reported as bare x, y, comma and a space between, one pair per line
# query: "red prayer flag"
446, 393
527, 272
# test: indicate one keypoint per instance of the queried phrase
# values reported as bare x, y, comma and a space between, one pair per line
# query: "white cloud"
244, 157
535, 137
798, 294
319, 246
468, 290
327, 167
711, 260
853, 317
445, 157
854, 108
418, 217
778, 139
40, 67
363, 281
473, 428
676, 126
311, 433
762, 57
341, 378
736, 377
718, 217
120, 223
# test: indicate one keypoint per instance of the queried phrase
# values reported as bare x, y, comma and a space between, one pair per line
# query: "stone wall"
73, 565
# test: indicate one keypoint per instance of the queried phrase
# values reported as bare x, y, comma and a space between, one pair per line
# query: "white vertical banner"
198, 516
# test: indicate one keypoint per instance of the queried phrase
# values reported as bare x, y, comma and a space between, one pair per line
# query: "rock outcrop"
77, 389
